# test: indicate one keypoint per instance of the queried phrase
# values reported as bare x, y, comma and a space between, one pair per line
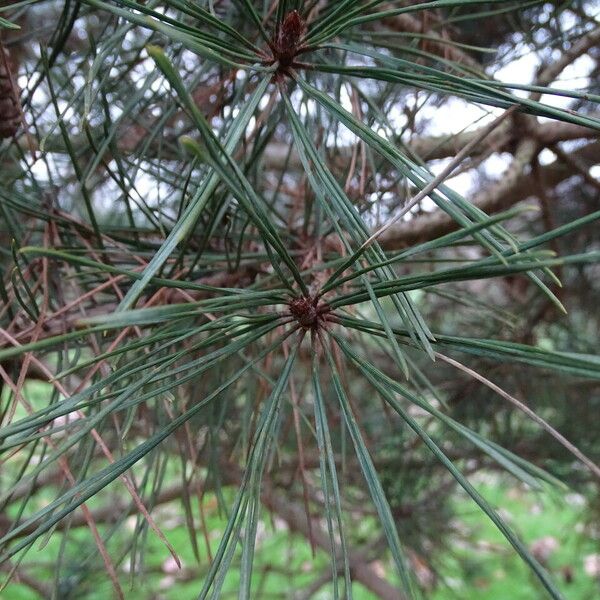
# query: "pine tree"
237, 278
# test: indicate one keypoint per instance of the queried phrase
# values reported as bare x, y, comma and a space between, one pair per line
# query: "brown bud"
10, 107
291, 30
305, 312
288, 39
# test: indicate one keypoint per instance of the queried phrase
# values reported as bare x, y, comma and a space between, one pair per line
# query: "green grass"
484, 568
477, 564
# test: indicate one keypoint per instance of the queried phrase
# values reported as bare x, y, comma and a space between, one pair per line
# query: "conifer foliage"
240, 276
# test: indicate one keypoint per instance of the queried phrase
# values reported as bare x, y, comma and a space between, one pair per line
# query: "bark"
514, 187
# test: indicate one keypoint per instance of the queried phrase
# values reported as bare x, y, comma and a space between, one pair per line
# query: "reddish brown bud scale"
305, 312
286, 46
290, 31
